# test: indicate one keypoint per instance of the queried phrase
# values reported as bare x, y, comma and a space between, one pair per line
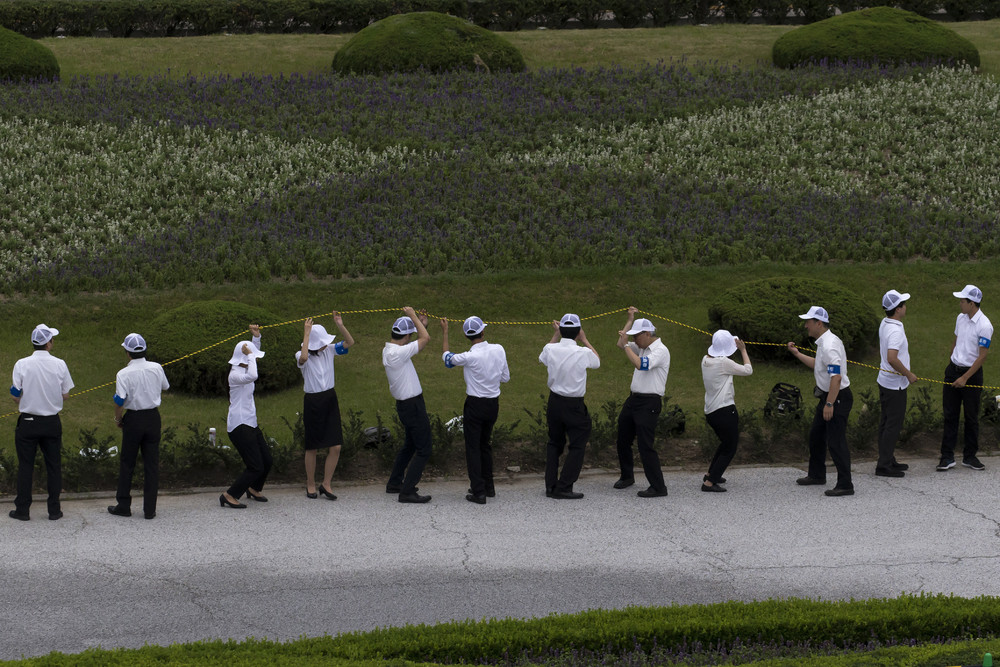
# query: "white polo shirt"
403, 380
717, 374
40, 381
654, 366
971, 333
485, 367
891, 336
831, 359
567, 364
242, 409
317, 370
138, 385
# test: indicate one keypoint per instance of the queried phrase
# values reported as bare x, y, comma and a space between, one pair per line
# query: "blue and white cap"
640, 325
892, 299
473, 326
42, 334
817, 313
134, 343
970, 292
404, 325
569, 320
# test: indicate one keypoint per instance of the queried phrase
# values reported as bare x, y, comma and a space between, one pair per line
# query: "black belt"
635, 393
146, 410
407, 400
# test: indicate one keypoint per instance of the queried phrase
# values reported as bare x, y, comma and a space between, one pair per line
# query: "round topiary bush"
882, 34
767, 311
428, 40
23, 58
193, 326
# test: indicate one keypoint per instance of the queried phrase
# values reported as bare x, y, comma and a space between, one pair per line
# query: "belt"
640, 395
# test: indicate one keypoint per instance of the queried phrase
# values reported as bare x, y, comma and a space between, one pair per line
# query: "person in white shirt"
40, 383
485, 367
717, 371
404, 385
963, 389
641, 410
833, 389
241, 424
137, 390
566, 413
894, 377
320, 407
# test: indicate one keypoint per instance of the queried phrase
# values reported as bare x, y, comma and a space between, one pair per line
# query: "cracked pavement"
296, 566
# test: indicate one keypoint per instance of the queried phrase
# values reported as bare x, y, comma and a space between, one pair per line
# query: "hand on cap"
740, 345
255, 330
245, 349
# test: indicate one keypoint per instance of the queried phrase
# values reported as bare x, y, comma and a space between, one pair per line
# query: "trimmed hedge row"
121, 18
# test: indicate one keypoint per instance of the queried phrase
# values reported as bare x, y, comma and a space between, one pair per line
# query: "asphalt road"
296, 566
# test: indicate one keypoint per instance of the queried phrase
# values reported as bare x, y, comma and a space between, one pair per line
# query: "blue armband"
119, 401
447, 360
833, 369
643, 363
340, 348
15, 392
984, 342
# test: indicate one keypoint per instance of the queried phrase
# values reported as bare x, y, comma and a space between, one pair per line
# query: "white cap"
569, 320
319, 338
640, 325
240, 358
817, 313
134, 343
473, 326
42, 334
723, 344
970, 292
892, 298
404, 325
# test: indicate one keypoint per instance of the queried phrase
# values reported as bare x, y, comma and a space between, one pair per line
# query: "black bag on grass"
785, 400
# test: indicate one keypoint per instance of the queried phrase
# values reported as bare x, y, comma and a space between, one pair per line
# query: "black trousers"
249, 442
637, 422
140, 433
890, 424
953, 401
726, 423
478, 419
31, 433
832, 435
412, 458
567, 418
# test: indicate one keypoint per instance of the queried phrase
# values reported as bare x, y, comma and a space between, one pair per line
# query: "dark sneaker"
810, 481
839, 491
900, 466
652, 493
974, 463
946, 464
889, 472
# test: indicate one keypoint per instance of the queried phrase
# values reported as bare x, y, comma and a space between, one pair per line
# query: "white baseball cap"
473, 326
723, 344
404, 325
892, 298
238, 356
640, 325
42, 334
817, 313
569, 320
319, 337
134, 343
970, 292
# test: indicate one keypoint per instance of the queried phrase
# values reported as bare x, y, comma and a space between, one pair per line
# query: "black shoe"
490, 493
945, 464
324, 492
889, 472
566, 495
899, 466
974, 463
118, 510
473, 498
20, 516
413, 498
722, 480
259, 498
393, 488
550, 493
56, 516
837, 491
315, 495
652, 493
624, 482
225, 503
809, 481
714, 488
150, 515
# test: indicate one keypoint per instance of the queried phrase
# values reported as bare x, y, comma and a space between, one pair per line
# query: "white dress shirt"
717, 374
242, 409
567, 363
654, 366
40, 381
971, 333
831, 359
485, 367
403, 380
139, 385
317, 372
892, 336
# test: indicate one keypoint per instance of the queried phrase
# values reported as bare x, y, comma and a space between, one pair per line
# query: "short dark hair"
39, 347
892, 311
569, 332
473, 337
137, 355
398, 336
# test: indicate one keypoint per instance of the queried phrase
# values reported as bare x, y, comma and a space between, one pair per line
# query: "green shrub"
189, 328
767, 311
428, 40
22, 58
880, 34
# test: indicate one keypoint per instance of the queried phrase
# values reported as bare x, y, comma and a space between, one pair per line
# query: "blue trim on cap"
119, 401
833, 369
15, 392
340, 348
447, 360
643, 363
984, 342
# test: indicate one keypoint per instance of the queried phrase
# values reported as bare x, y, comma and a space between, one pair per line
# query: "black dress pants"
568, 418
637, 421
249, 442
832, 435
37, 432
412, 458
890, 424
953, 402
140, 433
478, 419
726, 423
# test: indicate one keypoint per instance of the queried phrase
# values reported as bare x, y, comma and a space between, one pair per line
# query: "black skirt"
321, 419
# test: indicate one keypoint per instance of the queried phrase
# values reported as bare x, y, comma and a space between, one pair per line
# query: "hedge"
21, 58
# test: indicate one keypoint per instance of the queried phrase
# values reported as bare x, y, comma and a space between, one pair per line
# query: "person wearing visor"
829, 427
717, 371
40, 383
894, 377
404, 385
484, 367
137, 412
641, 411
241, 424
320, 408
973, 333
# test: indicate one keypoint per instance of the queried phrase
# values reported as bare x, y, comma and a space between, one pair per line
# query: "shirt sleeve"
239, 375
835, 359
16, 380
505, 371
164, 385
593, 361
67, 381
894, 341
451, 360
121, 392
985, 334
543, 357
256, 342
734, 368
298, 359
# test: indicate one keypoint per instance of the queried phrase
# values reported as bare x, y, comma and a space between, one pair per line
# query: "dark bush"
767, 311
881, 34
22, 58
189, 328
425, 40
